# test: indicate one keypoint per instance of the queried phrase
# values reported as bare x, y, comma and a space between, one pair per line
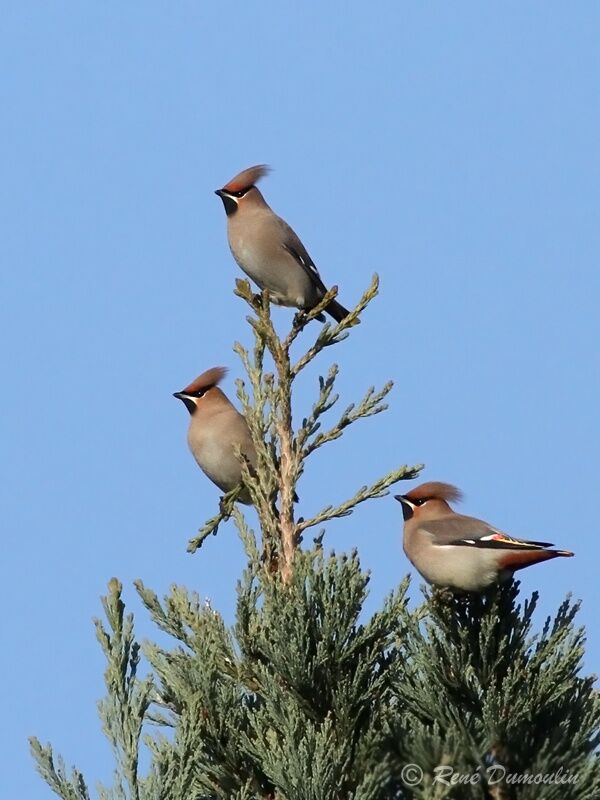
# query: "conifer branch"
263, 483
333, 334
324, 402
127, 700
174, 617
377, 489
369, 406
302, 318
247, 536
122, 711
289, 464
211, 526
68, 787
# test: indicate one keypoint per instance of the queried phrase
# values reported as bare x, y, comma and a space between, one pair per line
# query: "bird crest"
207, 380
246, 178
435, 490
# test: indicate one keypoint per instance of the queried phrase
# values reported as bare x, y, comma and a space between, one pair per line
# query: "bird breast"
257, 244
214, 451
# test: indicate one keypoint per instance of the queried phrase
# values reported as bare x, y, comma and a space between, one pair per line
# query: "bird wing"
299, 253
471, 532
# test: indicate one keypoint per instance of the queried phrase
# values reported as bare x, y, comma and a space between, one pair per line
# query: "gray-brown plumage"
459, 552
268, 250
216, 428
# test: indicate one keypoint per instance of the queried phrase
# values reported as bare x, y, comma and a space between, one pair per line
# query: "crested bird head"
431, 499
241, 191
203, 389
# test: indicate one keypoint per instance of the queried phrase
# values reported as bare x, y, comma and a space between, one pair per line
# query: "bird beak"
229, 202
187, 400
399, 498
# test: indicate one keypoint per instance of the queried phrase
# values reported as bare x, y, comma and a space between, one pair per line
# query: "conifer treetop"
281, 450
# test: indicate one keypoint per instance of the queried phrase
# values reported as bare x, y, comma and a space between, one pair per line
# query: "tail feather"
515, 560
338, 312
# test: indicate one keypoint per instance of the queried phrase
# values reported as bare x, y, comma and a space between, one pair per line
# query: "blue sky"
452, 148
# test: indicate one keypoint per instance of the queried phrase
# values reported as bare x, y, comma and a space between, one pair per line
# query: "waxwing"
268, 250
459, 552
216, 429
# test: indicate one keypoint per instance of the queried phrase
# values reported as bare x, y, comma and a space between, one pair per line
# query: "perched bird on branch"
459, 552
216, 429
268, 250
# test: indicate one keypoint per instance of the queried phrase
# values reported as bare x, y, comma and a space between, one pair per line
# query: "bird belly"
218, 462
287, 282
459, 568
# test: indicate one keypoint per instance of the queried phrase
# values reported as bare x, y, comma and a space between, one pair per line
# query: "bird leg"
300, 320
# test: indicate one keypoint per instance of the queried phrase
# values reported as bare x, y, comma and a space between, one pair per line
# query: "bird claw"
223, 509
300, 319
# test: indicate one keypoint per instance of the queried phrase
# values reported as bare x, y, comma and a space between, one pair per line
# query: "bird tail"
338, 312
517, 560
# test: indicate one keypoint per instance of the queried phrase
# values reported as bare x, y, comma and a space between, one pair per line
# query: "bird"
457, 552
216, 429
268, 250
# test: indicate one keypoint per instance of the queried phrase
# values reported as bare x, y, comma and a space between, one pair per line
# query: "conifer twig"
127, 699
332, 334
377, 489
54, 772
211, 526
324, 402
369, 406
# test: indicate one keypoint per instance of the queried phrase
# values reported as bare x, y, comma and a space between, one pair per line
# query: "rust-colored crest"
247, 178
435, 490
209, 378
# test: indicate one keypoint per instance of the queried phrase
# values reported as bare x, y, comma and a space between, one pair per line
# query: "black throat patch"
229, 203
189, 404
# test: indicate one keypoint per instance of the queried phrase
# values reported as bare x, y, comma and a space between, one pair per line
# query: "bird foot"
224, 509
300, 319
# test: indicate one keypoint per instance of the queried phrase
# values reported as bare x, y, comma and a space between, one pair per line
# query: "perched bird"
216, 428
459, 552
268, 250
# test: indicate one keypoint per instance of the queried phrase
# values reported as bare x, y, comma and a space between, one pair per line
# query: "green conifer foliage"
492, 700
306, 698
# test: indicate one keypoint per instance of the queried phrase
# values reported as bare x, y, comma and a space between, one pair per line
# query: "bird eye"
420, 502
241, 193
200, 393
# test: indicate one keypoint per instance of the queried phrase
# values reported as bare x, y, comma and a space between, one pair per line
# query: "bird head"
429, 499
241, 191
203, 390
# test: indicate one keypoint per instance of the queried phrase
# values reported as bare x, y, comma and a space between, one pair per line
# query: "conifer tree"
305, 698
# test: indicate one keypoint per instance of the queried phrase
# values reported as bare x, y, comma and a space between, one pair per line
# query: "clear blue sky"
452, 148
